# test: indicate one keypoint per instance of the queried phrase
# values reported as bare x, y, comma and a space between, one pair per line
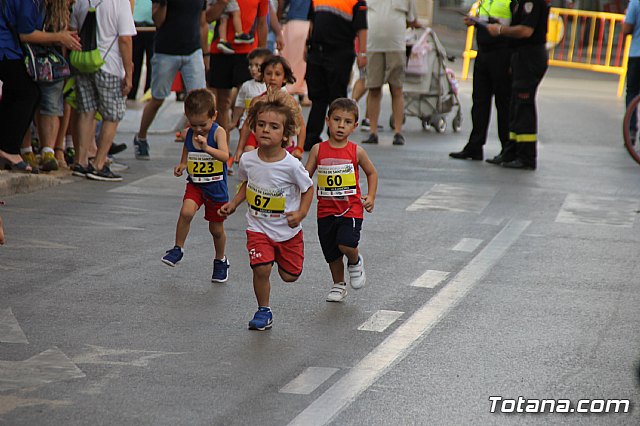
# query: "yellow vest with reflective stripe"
498, 9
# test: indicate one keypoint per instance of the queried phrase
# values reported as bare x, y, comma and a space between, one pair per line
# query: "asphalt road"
482, 282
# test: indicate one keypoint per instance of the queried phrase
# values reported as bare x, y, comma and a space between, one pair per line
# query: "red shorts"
194, 193
289, 255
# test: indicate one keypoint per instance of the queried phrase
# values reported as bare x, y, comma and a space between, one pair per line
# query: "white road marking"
588, 210
453, 198
308, 380
397, 345
497, 221
164, 183
97, 387
380, 320
467, 244
108, 225
9, 268
134, 358
10, 331
41, 244
430, 279
8, 403
50, 366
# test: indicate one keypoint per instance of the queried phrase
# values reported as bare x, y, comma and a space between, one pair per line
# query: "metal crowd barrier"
577, 39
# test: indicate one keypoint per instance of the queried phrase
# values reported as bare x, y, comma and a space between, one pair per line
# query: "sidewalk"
168, 120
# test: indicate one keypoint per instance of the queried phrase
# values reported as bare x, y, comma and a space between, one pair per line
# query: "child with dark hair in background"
340, 201
276, 73
278, 190
204, 156
249, 90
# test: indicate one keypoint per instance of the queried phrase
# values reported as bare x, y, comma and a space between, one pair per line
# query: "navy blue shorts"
338, 230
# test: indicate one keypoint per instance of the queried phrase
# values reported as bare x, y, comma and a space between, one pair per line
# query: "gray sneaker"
398, 139
142, 148
104, 175
371, 139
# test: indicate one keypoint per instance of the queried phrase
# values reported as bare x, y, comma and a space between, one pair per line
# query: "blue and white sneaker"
220, 270
173, 256
262, 320
141, 148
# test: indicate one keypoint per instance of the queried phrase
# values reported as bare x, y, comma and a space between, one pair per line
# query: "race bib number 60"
265, 203
336, 181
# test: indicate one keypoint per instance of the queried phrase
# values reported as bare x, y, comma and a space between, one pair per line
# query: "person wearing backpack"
20, 94
52, 35
106, 89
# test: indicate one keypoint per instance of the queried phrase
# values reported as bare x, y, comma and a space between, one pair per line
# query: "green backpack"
89, 60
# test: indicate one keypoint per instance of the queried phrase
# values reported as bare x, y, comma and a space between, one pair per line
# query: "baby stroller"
430, 89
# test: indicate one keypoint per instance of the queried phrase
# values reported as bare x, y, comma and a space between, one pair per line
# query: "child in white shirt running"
279, 192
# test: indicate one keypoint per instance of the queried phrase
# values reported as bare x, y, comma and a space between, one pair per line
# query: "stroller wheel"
457, 123
426, 125
440, 125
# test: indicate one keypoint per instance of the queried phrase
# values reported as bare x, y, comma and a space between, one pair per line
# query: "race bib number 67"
265, 202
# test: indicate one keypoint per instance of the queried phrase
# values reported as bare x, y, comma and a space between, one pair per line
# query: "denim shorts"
164, 68
51, 100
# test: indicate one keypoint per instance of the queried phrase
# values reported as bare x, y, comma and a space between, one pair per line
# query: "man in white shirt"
104, 91
386, 59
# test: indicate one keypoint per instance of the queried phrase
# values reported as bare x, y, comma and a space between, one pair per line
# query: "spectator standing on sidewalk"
631, 27
330, 54
20, 94
180, 44
491, 79
142, 45
386, 59
53, 20
528, 36
229, 71
104, 91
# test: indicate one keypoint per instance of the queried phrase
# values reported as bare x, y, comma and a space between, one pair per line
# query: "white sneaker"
338, 292
356, 274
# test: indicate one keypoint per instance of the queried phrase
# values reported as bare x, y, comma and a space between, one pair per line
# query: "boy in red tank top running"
340, 202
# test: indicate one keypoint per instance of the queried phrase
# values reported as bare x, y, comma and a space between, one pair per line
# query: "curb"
22, 183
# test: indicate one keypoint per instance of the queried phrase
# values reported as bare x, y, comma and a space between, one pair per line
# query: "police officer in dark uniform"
330, 54
528, 34
491, 77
